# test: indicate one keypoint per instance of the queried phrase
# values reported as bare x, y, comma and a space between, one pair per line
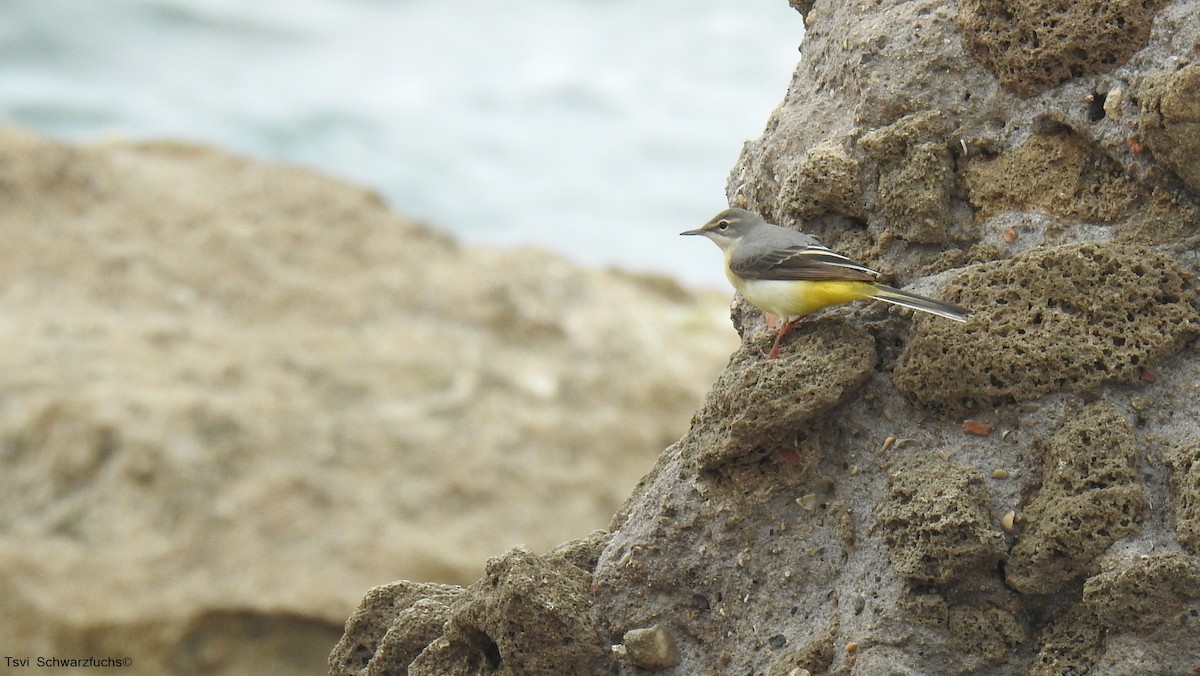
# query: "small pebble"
1007, 521
1112, 103
650, 648
1000, 474
808, 502
976, 427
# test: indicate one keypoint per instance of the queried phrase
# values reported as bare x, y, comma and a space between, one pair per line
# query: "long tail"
915, 302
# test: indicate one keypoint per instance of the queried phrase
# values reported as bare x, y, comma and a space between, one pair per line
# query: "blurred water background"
598, 129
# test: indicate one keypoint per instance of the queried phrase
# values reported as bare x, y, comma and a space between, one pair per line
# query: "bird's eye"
722, 224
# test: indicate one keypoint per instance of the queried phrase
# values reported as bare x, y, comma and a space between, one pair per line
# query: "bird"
789, 274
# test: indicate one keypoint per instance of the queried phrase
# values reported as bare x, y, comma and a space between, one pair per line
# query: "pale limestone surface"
234, 396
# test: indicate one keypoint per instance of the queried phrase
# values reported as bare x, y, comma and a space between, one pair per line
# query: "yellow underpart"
798, 298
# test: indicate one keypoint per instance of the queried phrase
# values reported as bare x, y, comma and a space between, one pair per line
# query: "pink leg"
783, 331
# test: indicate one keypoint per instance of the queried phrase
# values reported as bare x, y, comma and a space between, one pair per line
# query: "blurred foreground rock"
235, 396
1019, 494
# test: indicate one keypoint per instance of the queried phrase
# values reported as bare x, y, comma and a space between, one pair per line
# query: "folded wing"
808, 262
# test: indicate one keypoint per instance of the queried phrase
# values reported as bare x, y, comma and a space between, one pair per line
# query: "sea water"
596, 128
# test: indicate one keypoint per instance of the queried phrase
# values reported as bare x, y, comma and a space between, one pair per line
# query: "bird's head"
727, 228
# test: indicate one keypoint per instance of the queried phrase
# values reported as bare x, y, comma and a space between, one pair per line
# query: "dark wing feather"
809, 262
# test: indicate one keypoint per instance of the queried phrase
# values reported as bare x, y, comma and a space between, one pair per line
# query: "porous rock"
1090, 497
916, 175
392, 625
1032, 46
1169, 120
974, 620
1069, 642
759, 405
1185, 495
527, 615
1058, 172
1041, 323
826, 180
699, 545
936, 523
987, 632
1149, 607
1147, 593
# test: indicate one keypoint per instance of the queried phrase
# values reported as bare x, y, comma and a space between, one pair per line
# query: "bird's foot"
783, 331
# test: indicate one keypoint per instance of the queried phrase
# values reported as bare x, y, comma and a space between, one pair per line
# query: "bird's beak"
692, 232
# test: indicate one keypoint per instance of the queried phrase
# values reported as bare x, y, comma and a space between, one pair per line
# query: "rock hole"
1096, 107
484, 645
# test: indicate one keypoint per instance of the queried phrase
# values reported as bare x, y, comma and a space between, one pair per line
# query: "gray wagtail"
791, 275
